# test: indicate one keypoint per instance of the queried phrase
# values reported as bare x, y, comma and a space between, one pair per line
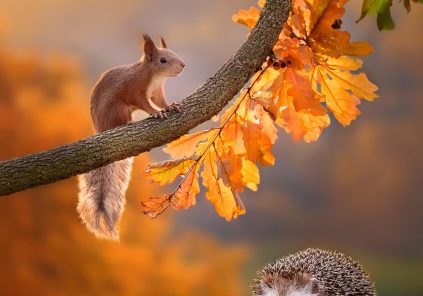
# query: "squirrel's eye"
163, 60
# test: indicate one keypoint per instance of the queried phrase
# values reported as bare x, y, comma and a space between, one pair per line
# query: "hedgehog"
313, 272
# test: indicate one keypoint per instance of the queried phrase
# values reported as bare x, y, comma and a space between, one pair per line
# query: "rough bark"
69, 160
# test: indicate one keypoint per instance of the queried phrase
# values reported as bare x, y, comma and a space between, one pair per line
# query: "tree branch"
69, 160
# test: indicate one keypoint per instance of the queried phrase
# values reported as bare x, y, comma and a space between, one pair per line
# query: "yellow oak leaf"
314, 124
339, 101
209, 166
343, 91
341, 63
264, 82
250, 175
167, 171
358, 84
232, 111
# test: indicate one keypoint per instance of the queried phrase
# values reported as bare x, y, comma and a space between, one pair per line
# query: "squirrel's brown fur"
116, 94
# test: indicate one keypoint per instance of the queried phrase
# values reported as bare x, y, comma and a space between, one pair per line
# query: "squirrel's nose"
182, 64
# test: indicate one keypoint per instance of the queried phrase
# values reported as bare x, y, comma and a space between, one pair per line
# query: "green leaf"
384, 18
383, 10
372, 7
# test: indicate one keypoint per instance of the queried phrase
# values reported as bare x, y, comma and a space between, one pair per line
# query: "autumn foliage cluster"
312, 73
43, 250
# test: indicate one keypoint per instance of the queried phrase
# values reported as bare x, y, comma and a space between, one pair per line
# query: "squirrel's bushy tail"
102, 197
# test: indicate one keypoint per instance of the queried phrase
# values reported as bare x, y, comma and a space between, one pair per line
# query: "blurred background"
357, 190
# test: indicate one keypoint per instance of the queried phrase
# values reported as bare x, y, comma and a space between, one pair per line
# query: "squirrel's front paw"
159, 114
174, 107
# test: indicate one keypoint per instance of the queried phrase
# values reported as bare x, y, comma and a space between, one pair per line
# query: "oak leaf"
343, 91
225, 199
186, 145
331, 41
167, 171
247, 17
309, 73
240, 172
188, 190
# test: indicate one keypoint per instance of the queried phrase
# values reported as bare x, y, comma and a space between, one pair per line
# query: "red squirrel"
120, 90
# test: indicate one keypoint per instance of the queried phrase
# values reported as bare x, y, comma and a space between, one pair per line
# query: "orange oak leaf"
156, 205
186, 145
326, 38
188, 190
303, 124
248, 17
305, 98
232, 135
240, 172
182, 197
225, 199
308, 74
316, 9
259, 134
258, 145
304, 116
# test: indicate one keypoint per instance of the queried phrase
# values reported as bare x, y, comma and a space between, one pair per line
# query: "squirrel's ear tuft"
163, 42
149, 47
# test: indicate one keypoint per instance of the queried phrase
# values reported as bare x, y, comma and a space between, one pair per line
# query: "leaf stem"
170, 198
